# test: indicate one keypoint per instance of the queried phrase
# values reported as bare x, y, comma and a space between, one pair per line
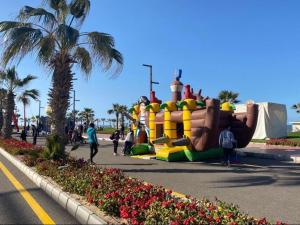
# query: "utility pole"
151, 80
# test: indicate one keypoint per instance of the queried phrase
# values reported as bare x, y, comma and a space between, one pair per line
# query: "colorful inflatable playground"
187, 128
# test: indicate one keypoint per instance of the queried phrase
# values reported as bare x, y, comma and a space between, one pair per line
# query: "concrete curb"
280, 157
80, 212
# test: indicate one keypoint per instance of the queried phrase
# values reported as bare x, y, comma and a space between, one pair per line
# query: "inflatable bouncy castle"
187, 128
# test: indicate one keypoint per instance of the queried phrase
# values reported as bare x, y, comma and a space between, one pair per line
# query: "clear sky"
249, 46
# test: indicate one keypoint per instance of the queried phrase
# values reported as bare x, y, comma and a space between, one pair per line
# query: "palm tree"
88, 115
103, 121
228, 96
25, 99
115, 122
54, 34
80, 117
296, 107
123, 110
2, 101
117, 110
12, 83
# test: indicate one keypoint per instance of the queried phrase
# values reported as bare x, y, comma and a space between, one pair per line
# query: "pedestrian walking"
34, 133
93, 141
128, 142
227, 142
115, 138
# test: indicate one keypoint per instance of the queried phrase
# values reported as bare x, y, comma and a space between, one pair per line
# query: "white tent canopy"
271, 122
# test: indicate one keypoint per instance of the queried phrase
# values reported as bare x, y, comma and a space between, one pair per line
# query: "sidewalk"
277, 152
258, 150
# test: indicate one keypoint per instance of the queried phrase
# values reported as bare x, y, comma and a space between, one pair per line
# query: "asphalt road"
14, 209
261, 187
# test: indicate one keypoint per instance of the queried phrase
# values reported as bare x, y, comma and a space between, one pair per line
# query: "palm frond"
296, 107
32, 93
37, 14
19, 42
67, 35
228, 96
60, 7
102, 48
11, 74
7, 25
25, 81
111, 111
47, 49
80, 9
84, 60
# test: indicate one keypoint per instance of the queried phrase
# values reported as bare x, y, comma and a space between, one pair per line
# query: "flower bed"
285, 142
132, 199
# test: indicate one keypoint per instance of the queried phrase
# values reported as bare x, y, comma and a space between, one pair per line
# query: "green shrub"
55, 148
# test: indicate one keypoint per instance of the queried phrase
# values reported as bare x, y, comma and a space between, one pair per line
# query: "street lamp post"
151, 80
38, 120
74, 103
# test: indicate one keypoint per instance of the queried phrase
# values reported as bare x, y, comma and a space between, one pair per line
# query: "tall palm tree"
12, 84
54, 34
25, 99
228, 96
80, 117
103, 121
117, 110
296, 107
123, 110
115, 122
88, 115
2, 101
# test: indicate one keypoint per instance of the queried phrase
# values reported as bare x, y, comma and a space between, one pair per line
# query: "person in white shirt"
128, 142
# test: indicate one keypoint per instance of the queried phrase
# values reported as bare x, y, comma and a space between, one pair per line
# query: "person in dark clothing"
23, 135
227, 142
115, 138
93, 141
34, 133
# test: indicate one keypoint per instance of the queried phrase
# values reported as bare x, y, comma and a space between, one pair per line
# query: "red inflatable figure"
188, 93
153, 98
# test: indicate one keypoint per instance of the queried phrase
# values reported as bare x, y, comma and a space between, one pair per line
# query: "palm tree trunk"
10, 105
60, 92
117, 115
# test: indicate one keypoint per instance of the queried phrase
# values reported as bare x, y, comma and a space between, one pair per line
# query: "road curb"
262, 155
79, 211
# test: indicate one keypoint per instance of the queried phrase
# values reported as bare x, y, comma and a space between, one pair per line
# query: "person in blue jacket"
93, 141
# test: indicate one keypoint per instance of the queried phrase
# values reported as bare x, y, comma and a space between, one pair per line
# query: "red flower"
174, 223
134, 213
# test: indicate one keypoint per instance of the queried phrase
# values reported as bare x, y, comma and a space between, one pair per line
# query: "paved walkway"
259, 150
262, 187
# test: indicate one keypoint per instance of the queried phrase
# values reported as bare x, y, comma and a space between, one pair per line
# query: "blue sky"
249, 46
